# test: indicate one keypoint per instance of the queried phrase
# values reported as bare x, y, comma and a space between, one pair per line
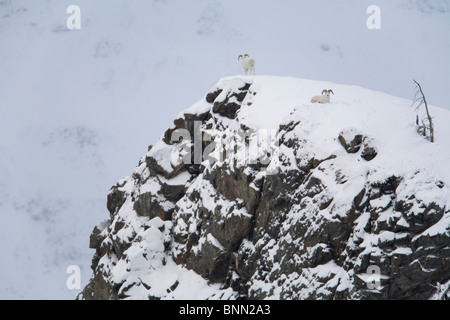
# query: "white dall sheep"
247, 63
324, 98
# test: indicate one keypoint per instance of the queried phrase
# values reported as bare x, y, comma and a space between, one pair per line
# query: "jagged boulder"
228, 101
369, 150
354, 141
351, 139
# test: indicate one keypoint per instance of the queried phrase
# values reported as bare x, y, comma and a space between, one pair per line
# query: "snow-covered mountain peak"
256, 192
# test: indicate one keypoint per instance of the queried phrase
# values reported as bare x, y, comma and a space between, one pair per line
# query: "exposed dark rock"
115, 199
234, 185
231, 103
388, 186
172, 193
369, 151
156, 168
226, 108
100, 289
313, 163
231, 230
351, 140
147, 204
96, 237
187, 122
211, 96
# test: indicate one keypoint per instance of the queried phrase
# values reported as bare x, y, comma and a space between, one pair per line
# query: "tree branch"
423, 101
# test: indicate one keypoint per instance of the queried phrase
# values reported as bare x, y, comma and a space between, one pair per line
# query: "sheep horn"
331, 91
246, 55
324, 91
240, 57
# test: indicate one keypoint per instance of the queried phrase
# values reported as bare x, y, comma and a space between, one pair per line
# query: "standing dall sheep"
324, 98
247, 63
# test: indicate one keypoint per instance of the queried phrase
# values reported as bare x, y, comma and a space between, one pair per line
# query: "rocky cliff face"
254, 193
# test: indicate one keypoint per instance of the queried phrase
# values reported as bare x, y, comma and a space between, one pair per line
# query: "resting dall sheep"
247, 63
324, 98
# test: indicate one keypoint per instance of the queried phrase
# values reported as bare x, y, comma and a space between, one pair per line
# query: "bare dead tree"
426, 126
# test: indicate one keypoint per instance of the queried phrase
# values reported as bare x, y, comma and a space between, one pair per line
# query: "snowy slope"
78, 108
353, 107
304, 225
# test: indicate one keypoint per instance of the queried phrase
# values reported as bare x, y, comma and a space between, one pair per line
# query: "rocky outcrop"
289, 223
353, 141
227, 102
